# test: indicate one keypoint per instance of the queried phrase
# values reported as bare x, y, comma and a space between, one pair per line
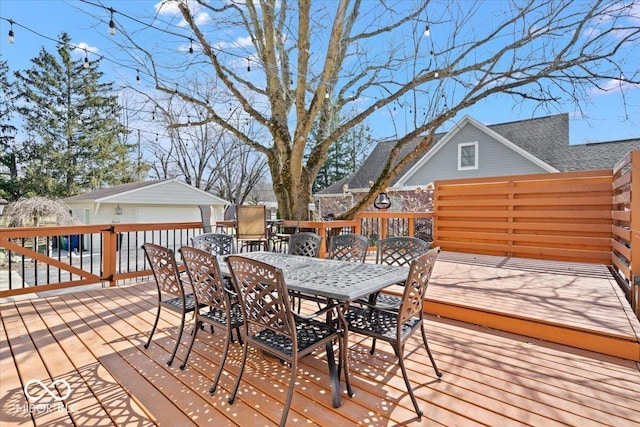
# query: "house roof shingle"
111, 191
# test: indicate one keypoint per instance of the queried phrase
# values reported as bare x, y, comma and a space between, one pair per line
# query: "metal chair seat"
177, 305
380, 324
219, 316
310, 333
386, 301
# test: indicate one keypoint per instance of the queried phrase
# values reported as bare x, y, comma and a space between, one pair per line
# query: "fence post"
635, 231
110, 255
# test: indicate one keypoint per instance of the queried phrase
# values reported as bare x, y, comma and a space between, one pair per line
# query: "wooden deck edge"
560, 334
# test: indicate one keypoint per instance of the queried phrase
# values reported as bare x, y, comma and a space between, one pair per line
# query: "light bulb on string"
86, 60
138, 76
112, 25
190, 45
436, 74
427, 31
11, 37
248, 65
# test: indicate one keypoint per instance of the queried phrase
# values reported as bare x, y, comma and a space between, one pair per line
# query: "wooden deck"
93, 340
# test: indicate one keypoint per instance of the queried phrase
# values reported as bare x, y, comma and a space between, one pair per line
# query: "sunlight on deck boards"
94, 341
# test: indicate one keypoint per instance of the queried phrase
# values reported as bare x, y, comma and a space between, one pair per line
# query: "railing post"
109, 261
635, 230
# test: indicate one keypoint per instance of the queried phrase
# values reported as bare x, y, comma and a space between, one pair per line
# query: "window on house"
468, 156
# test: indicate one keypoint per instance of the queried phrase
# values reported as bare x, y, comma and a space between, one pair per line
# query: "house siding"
494, 159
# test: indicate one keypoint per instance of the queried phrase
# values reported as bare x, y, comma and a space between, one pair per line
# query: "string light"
86, 59
11, 38
248, 65
427, 31
191, 45
112, 25
138, 76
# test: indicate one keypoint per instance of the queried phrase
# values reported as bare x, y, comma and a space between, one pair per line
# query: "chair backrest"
348, 247
305, 243
205, 277
214, 243
400, 250
416, 286
264, 297
165, 269
208, 218
251, 222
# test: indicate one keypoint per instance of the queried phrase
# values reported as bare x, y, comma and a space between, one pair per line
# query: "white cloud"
82, 47
170, 8
202, 18
612, 86
238, 43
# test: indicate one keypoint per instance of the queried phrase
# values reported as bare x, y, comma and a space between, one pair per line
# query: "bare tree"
294, 61
204, 154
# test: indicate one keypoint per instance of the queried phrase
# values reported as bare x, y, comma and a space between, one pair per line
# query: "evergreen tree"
345, 155
71, 119
8, 149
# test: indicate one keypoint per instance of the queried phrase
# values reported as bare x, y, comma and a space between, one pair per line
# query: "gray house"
472, 150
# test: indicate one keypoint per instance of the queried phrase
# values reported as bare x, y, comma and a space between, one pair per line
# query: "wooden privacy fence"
558, 216
626, 227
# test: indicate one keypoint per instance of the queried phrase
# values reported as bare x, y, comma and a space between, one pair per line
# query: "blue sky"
607, 115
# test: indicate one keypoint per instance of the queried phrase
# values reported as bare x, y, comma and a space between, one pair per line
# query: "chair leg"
175, 349
153, 329
193, 339
242, 364
239, 336
224, 358
426, 345
292, 382
373, 347
400, 353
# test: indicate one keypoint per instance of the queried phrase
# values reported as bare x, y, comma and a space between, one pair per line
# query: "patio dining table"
330, 279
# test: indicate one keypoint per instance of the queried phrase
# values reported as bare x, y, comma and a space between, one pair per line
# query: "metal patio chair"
348, 247
396, 327
171, 291
395, 251
214, 243
305, 243
210, 292
271, 326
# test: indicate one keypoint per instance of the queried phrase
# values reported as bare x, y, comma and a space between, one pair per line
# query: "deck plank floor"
94, 340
